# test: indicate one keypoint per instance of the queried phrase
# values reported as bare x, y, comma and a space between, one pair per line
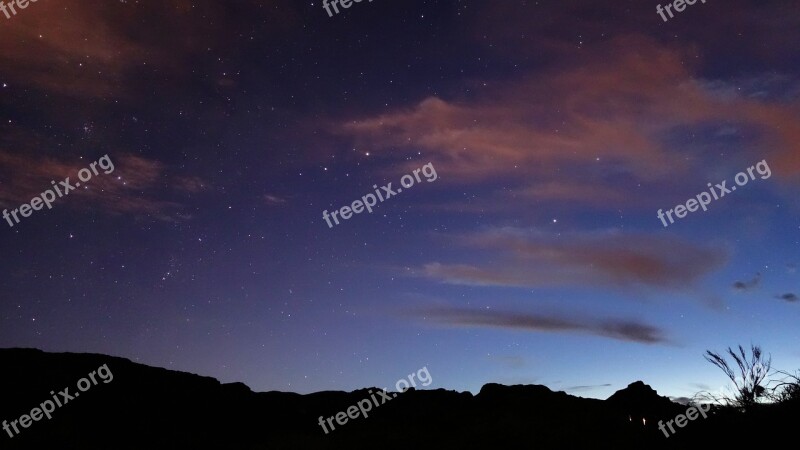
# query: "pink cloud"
134, 187
613, 107
624, 330
532, 259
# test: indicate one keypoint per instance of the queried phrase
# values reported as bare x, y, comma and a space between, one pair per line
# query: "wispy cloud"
748, 285
681, 400
93, 49
527, 258
624, 330
190, 184
136, 187
616, 111
273, 199
574, 192
586, 388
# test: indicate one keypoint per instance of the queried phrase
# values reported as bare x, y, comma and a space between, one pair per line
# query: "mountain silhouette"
641, 401
155, 408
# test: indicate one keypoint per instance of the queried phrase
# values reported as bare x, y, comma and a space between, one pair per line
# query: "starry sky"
557, 130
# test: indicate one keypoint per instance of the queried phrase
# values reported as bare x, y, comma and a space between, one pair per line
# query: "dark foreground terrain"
150, 408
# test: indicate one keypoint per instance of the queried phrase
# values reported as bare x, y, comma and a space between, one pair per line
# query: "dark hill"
153, 408
641, 401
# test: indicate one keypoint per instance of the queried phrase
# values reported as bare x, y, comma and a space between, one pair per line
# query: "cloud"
134, 187
616, 110
95, 48
526, 258
67, 48
512, 127
190, 184
748, 285
789, 297
575, 192
681, 400
273, 199
586, 388
624, 330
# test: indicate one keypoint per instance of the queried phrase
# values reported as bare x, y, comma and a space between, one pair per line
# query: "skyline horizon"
236, 142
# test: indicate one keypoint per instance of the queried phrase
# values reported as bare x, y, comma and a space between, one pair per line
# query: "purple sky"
557, 130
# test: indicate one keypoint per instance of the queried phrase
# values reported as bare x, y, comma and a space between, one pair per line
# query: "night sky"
557, 130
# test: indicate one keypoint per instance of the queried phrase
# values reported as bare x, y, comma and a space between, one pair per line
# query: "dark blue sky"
557, 130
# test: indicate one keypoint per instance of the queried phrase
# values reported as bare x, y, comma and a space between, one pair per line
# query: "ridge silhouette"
155, 408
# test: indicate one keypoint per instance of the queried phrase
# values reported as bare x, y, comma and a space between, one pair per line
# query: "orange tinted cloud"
130, 189
615, 105
571, 191
530, 259
93, 48
66, 47
625, 330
